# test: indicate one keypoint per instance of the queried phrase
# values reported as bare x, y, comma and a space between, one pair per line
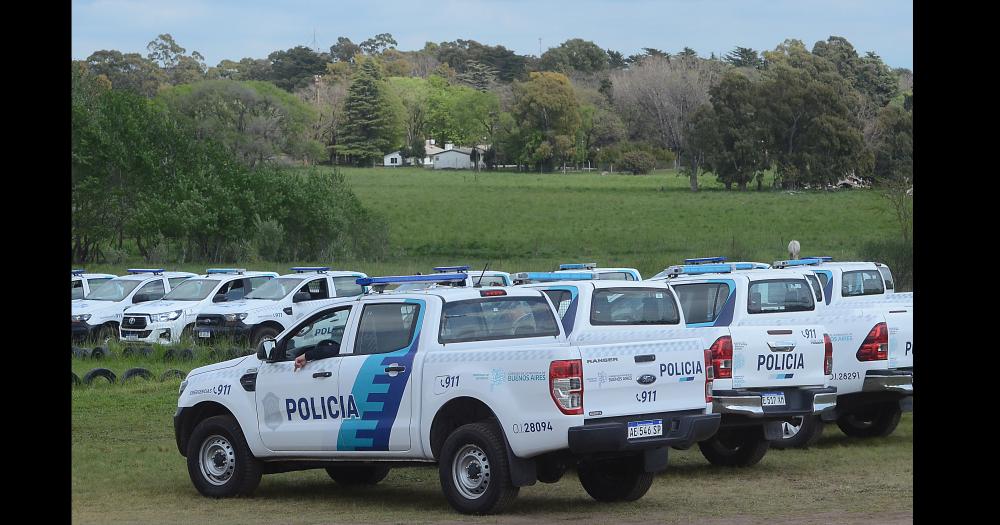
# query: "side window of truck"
386, 328
347, 286
257, 282
153, 289
780, 295
560, 299
862, 282
317, 289
887, 277
615, 276
77, 290
702, 302
234, 290
814, 281
325, 328
174, 281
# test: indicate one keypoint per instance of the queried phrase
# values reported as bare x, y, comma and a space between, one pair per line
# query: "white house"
392, 159
429, 151
457, 159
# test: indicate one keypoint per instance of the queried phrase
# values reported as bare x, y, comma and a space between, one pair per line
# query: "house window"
393, 160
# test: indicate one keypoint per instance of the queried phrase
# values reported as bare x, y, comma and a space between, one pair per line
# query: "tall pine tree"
367, 130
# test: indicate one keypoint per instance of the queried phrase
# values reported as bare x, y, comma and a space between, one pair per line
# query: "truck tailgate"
643, 377
777, 356
900, 323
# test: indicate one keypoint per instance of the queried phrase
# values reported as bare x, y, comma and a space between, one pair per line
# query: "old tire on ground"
76, 379
619, 479
137, 372
219, 461
877, 421
128, 351
89, 377
350, 476
185, 354
145, 351
735, 447
100, 352
81, 353
260, 334
473, 469
799, 433
170, 354
172, 373
106, 334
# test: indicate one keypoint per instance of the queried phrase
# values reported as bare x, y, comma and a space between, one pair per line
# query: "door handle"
322, 374
395, 368
780, 347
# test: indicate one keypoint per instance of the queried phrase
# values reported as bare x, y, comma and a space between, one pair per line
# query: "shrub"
638, 162
897, 254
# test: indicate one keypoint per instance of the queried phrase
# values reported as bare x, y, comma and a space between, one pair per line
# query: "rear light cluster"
566, 385
876, 345
722, 357
709, 375
827, 355
491, 293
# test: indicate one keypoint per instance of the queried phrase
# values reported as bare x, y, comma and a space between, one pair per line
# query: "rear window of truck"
633, 306
780, 295
702, 302
862, 282
492, 318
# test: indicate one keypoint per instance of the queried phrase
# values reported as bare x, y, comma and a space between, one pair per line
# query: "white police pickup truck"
82, 283
99, 313
276, 305
481, 381
474, 278
167, 320
611, 274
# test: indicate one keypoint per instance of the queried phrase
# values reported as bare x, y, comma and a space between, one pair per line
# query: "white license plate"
770, 399
643, 429
131, 336
204, 334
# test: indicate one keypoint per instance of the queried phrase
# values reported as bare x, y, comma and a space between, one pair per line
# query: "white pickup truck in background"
591, 269
481, 381
82, 283
474, 278
99, 314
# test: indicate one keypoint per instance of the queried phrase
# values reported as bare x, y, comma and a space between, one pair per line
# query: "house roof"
431, 149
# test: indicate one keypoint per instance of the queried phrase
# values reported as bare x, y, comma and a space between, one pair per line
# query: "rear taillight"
876, 345
722, 357
566, 385
709, 376
827, 355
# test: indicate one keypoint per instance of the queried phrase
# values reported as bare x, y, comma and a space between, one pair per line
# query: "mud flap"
655, 459
523, 472
772, 430
906, 404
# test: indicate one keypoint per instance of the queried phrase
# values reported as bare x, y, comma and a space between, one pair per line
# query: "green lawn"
531, 221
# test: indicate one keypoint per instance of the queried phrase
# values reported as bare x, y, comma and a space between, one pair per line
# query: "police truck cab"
100, 312
82, 283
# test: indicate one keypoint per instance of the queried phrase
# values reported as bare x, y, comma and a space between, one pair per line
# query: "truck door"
376, 376
303, 410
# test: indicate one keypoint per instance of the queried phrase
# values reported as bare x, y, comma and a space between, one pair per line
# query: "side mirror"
264, 350
219, 298
141, 298
301, 296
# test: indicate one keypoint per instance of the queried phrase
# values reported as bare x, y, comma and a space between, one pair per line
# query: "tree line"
810, 117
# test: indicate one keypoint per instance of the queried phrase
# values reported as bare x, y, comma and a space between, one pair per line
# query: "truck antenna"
479, 282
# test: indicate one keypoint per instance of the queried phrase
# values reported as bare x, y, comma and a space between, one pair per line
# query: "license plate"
131, 336
770, 399
642, 429
204, 334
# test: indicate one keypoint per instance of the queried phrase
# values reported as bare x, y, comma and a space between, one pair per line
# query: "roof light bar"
552, 276
797, 262
444, 269
578, 266
705, 260
400, 279
750, 266
824, 258
695, 269
144, 270
77, 272
305, 269
211, 271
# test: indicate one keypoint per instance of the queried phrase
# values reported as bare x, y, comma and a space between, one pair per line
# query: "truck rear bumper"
611, 434
798, 402
900, 381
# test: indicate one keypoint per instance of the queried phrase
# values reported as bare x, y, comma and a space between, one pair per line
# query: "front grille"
209, 320
133, 322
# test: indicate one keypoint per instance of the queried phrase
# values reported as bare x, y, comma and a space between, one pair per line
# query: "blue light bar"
400, 279
578, 266
211, 271
444, 269
304, 269
552, 276
144, 270
695, 269
703, 260
750, 266
797, 262
823, 258
77, 272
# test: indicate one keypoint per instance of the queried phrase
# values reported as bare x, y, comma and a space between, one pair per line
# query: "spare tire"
137, 372
89, 377
100, 352
76, 379
172, 373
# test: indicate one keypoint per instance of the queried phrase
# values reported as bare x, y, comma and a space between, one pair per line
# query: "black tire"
76, 351
482, 449
187, 334
263, 333
137, 372
145, 351
89, 377
229, 468
128, 351
81, 353
185, 355
100, 352
355, 475
875, 422
76, 379
107, 333
735, 447
172, 373
800, 433
170, 354
618, 479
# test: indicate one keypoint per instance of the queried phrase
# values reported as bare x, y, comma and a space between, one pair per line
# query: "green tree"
575, 54
344, 50
616, 60
295, 68
130, 71
744, 57
178, 67
893, 163
378, 43
548, 113
367, 132
736, 153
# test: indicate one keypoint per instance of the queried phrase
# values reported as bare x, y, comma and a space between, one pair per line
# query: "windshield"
192, 290
496, 318
633, 306
113, 290
275, 288
780, 295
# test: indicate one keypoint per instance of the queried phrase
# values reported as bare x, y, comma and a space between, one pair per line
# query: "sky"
234, 29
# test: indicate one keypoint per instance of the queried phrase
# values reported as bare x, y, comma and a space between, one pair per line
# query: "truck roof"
450, 293
251, 273
144, 276
331, 273
599, 284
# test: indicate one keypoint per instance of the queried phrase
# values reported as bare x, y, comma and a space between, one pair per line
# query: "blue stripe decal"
568, 318
379, 395
828, 289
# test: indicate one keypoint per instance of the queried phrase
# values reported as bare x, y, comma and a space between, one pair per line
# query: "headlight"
80, 318
184, 385
169, 316
235, 317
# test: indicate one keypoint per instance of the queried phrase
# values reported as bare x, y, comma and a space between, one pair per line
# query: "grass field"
530, 221
126, 469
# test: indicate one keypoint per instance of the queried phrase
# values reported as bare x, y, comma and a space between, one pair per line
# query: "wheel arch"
188, 417
453, 414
